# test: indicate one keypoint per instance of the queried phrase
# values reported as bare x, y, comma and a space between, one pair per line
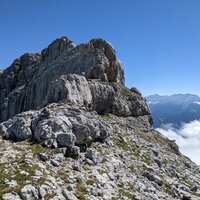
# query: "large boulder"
56, 126
73, 88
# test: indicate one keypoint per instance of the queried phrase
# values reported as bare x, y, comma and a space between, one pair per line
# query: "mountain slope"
174, 109
70, 129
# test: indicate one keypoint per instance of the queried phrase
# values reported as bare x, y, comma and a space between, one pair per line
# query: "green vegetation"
81, 191
90, 182
168, 188
187, 181
146, 158
63, 175
37, 148
126, 92
125, 194
132, 168
49, 196
102, 171
14, 174
107, 117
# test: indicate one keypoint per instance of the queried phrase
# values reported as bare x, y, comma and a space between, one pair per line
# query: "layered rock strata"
81, 80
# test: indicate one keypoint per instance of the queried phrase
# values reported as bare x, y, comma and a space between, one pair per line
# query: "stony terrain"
70, 129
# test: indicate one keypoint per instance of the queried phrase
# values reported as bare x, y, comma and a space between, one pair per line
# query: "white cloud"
187, 138
155, 102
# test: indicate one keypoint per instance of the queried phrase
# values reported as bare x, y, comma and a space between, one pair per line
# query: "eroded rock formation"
87, 77
25, 84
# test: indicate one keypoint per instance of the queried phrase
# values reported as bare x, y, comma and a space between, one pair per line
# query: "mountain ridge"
174, 109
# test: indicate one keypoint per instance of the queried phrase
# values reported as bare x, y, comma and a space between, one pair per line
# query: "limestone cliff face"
88, 78
35, 80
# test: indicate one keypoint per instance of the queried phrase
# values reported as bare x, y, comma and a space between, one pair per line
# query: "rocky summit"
70, 129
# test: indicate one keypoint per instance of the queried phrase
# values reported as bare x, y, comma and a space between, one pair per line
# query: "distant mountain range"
174, 109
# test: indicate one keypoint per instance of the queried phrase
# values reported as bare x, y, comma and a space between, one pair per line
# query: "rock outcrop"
26, 83
87, 77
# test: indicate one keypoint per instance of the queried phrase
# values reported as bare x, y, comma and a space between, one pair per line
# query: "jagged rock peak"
57, 47
25, 84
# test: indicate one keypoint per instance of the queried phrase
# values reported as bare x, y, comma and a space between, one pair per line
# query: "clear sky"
158, 41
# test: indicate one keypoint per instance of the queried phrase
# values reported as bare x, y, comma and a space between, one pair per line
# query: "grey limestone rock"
29, 192
92, 155
56, 97
11, 196
66, 139
17, 129
102, 97
73, 88
27, 83
69, 195
72, 152
65, 128
136, 91
154, 178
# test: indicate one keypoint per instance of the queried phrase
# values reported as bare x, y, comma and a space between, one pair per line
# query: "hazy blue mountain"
174, 109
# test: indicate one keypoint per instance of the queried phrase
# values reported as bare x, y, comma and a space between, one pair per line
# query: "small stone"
77, 167
11, 196
29, 192
63, 150
92, 155
55, 163
11, 183
42, 192
73, 152
136, 91
154, 178
69, 195
43, 157
24, 173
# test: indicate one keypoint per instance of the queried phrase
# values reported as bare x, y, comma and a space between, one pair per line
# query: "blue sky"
157, 41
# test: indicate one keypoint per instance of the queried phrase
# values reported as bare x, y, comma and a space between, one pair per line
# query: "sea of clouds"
187, 138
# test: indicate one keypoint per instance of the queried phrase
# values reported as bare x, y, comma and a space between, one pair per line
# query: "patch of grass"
37, 148
167, 187
125, 194
137, 153
81, 191
102, 171
126, 92
144, 168
90, 182
13, 173
147, 158
87, 167
107, 117
63, 175
114, 198
49, 195
121, 144
132, 168
187, 181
